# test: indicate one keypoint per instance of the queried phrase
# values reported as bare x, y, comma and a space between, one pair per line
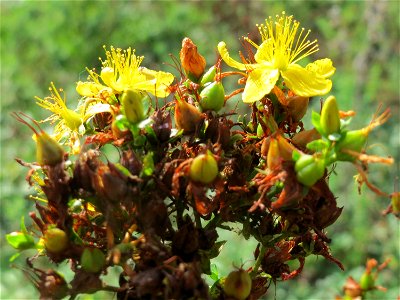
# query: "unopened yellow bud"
273, 157
330, 120
132, 105
192, 62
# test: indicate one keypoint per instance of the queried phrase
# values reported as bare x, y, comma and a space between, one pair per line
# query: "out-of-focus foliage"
51, 41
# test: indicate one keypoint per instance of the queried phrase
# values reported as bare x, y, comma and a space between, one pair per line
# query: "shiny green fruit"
212, 96
92, 260
55, 240
238, 284
309, 169
204, 168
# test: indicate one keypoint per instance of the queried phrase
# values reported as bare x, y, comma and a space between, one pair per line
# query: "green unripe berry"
92, 260
212, 96
204, 168
309, 169
55, 240
238, 284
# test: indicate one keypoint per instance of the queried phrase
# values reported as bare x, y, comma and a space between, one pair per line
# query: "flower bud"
367, 281
208, 76
297, 107
309, 169
55, 240
212, 96
238, 284
192, 62
132, 105
187, 117
273, 157
330, 120
204, 168
92, 260
48, 151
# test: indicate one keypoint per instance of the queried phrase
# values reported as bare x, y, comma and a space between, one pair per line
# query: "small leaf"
148, 164
214, 272
20, 240
316, 121
317, 145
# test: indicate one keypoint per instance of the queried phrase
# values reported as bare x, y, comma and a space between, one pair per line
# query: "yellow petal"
263, 53
259, 83
155, 82
108, 77
322, 67
229, 60
88, 89
304, 82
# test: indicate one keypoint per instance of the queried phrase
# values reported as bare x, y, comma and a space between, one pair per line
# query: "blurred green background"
43, 41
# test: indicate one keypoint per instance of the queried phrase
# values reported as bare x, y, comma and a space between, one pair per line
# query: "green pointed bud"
208, 76
367, 282
55, 240
309, 169
204, 168
238, 284
132, 105
212, 96
330, 120
48, 150
92, 260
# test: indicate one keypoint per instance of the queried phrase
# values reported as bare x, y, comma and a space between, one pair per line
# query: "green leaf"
148, 164
214, 272
316, 121
317, 145
20, 240
23, 227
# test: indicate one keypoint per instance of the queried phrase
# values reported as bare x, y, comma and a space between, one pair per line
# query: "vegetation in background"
52, 40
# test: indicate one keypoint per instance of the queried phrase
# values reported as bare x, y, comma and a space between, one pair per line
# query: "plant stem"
258, 261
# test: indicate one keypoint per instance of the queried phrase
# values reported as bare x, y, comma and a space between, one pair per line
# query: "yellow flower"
121, 70
281, 48
69, 122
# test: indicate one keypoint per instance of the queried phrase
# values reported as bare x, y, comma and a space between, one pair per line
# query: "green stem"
258, 261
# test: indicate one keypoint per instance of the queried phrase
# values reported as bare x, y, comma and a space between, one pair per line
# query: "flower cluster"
188, 168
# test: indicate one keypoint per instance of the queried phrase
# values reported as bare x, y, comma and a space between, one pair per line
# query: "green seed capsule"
204, 168
238, 284
330, 121
353, 140
55, 240
208, 76
92, 260
309, 169
132, 105
212, 96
